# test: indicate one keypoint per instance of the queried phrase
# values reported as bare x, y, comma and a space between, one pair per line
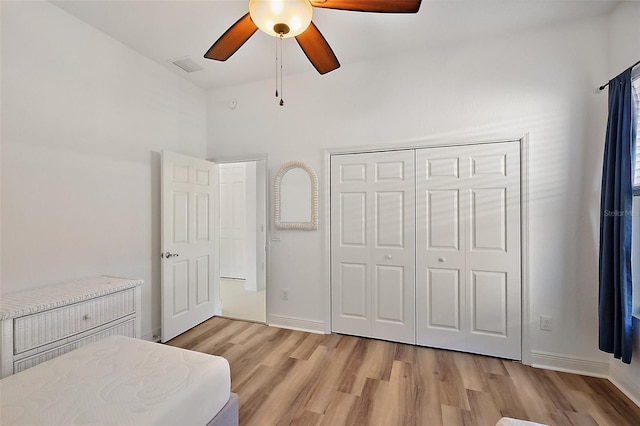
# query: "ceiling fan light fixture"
272, 16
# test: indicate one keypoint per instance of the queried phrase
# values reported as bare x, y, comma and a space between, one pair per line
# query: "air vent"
187, 64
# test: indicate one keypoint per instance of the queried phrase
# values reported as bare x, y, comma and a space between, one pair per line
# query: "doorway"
242, 239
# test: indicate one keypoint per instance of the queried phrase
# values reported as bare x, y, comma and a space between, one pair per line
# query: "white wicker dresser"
41, 324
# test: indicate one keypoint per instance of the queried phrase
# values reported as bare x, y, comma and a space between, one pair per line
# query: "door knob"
388, 256
442, 259
169, 254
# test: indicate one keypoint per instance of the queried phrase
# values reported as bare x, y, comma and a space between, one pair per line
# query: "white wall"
83, 121
541, 83
624, 51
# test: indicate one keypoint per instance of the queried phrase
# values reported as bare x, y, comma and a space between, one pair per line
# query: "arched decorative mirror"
295, 197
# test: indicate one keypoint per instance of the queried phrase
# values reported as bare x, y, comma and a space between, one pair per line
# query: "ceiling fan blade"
380, 6
232, 39
317, 49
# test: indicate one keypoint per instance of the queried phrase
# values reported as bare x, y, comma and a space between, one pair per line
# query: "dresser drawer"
123, 329
46, 327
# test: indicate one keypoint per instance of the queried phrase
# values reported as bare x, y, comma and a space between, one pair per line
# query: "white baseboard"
299, 324
620, 378
152, 336
569, 364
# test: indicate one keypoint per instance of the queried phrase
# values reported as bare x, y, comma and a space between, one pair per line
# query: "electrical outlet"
546, 323
285, 294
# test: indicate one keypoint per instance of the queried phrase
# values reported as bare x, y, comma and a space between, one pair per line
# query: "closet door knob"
442, 259
388, 256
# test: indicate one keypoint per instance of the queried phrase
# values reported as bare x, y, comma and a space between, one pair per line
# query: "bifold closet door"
373, 245
468, 285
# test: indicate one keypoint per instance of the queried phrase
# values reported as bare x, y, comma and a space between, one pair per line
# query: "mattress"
118, 381
509, 421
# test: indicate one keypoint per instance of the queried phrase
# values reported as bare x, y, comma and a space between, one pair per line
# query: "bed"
122, 381
510, 421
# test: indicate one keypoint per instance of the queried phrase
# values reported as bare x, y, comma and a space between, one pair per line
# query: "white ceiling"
167, 30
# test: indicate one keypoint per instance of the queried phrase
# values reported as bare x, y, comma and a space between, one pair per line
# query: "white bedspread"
509, 421
118, 381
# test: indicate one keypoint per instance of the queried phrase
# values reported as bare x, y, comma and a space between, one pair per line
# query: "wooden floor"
289, 377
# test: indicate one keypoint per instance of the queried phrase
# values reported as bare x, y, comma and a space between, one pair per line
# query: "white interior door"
261, 225
468, 281
251, 219
189, 261
373, 245
232, 220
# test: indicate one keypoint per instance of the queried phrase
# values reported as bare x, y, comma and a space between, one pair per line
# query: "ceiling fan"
292, 18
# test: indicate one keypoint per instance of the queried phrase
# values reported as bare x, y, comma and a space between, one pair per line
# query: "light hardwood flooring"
286, 377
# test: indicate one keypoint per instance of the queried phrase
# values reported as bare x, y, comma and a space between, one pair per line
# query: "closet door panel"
443, 297
353, 293
389, 294
468, 288
372, 245
493, 255
443, 219
351, 247
440, 253
488, 220
489, 303
393, 252
353, 218
389, 217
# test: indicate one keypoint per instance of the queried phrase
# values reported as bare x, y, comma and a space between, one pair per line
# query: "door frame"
526, 323
268, 201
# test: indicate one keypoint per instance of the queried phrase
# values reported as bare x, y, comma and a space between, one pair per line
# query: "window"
635, 82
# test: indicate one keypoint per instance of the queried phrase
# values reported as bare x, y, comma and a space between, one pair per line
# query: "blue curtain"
615, 299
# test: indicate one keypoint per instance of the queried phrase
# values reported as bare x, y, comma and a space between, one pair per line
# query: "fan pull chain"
281, 57
276, 68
